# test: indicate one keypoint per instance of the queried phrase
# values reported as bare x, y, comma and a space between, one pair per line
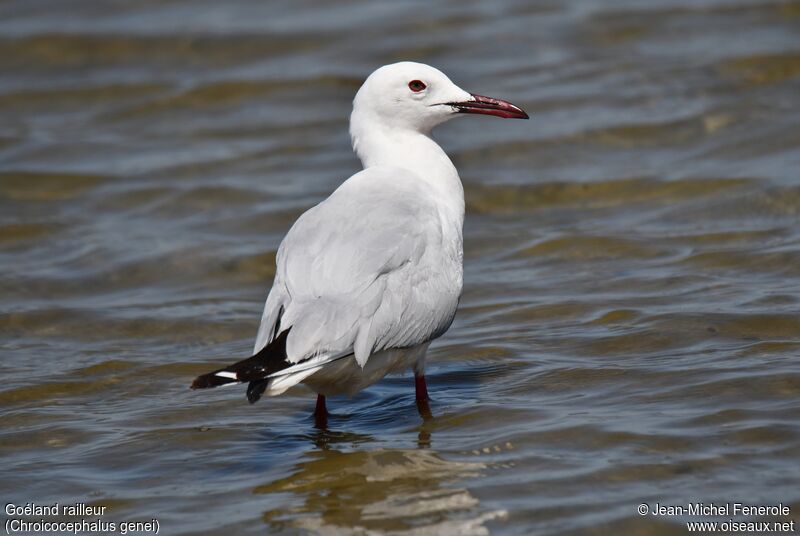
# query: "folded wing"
365, 270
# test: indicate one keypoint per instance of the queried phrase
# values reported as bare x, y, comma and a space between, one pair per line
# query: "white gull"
370, 276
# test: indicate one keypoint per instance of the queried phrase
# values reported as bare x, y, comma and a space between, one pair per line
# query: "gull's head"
416, 96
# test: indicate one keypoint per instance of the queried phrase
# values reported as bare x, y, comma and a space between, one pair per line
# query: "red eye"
416, 86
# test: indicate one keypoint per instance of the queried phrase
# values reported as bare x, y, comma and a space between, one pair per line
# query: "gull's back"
368, 269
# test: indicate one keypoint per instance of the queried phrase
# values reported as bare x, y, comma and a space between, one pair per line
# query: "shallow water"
630, 326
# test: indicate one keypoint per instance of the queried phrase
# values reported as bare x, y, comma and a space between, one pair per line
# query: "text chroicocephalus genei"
369, 277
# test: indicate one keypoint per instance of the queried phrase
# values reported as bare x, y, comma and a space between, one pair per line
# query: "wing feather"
365, 270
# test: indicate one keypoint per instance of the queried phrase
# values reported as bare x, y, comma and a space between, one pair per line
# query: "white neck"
377, 145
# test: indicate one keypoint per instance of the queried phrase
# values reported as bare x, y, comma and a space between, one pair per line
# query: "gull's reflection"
382, 489
325, 439
323, 434
424, 435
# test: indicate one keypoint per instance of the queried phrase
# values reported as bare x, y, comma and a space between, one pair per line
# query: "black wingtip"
206, 381
271, 358
255, 390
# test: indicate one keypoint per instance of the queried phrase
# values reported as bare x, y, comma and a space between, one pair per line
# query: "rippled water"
630, 326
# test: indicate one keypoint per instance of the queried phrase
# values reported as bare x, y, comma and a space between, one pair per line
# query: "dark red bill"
489, 106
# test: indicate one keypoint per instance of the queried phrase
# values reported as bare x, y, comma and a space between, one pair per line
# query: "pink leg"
421, 387
422, 396
321, 413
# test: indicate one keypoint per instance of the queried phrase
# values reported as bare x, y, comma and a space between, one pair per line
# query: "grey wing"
365, 270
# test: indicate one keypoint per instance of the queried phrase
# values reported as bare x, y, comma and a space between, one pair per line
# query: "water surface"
630, 326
